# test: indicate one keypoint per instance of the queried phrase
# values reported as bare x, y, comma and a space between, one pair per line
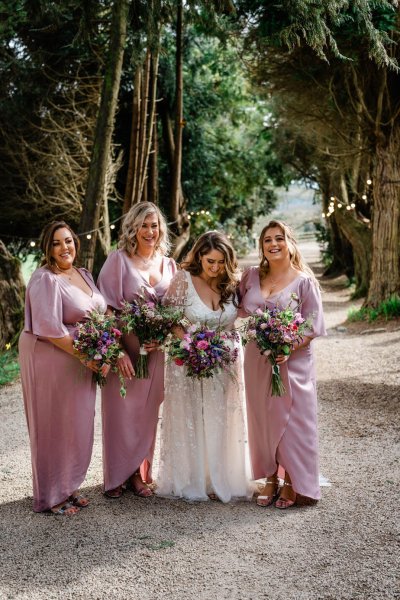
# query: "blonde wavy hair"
133, 221
296, 257
214, 240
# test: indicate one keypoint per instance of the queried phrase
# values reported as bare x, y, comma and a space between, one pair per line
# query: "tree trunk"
359, 236
385, 275
142, 136
180, 225
133, 147
95, 197
12, 291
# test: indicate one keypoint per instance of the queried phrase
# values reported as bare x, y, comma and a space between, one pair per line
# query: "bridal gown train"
203, 439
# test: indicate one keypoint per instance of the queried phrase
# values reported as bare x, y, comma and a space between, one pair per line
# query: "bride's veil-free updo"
214, 240
133, 221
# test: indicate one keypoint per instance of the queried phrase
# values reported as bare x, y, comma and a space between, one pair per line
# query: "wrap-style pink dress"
59, 391
130, 423
283, 430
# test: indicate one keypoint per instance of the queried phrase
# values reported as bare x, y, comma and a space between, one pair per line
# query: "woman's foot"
78, 499
138, 487
66, 509
287, 496
268, 493
114, 493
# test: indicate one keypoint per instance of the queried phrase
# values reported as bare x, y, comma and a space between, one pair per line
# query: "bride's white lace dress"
203, 439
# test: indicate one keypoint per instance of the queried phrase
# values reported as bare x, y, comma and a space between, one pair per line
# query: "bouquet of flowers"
275, 332
204, 352
150, 321
97, 339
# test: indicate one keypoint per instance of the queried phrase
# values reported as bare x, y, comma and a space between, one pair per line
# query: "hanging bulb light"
369, 181
112, 226
32, 244
89, 237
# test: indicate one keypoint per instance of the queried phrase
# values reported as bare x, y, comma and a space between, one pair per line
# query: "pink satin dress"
130, 423
283, 430
59, 391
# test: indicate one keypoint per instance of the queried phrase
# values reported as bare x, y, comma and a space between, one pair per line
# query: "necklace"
65, 272
145, 261
274, 282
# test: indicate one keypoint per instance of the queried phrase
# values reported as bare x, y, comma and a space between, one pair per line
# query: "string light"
112, 226
364, 196
352, 205
32, 244
323, 215
369, 182
189, 217
89, 237
340, 205
348, 207
333, 198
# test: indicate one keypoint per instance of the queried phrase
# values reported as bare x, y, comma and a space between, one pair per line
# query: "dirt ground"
344, 547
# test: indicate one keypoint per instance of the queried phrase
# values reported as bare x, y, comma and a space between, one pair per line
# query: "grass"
388, 309
9, 367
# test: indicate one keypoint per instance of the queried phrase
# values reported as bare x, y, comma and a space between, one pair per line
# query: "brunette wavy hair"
133, 221
214, 240
46, 243
296, 257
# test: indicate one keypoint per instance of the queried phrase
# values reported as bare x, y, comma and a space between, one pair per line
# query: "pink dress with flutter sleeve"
59, 392
130, 423
283, 430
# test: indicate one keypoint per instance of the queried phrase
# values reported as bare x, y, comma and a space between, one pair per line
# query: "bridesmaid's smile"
63, 249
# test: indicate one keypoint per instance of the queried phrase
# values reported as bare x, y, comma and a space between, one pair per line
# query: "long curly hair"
133, 221
296, 257
214, 240
46, 243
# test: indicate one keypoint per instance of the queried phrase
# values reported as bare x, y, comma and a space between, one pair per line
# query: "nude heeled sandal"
284, 502
267, 500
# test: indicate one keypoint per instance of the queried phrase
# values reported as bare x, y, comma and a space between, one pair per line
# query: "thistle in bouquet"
276, 331
151, 322
98, 339
204, 352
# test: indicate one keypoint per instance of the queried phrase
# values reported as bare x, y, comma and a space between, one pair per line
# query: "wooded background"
204, 108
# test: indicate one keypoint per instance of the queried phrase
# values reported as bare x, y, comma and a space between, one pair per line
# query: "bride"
203, 442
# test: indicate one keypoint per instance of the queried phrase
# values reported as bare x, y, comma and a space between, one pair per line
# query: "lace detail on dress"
203, 440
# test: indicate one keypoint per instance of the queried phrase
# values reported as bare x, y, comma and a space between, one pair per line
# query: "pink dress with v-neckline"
283, 430
130, 423
59, 392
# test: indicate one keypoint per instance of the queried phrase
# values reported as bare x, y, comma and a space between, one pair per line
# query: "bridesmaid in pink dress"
129, 424
59, 392
282, 430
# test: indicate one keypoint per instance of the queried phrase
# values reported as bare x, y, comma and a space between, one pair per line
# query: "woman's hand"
93, 365
151, 346
125, 366
282, 358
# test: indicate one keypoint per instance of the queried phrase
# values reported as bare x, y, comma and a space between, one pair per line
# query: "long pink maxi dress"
283, 430
59, 391
130, 424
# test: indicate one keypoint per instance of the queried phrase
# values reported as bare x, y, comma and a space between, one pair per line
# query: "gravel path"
342, 548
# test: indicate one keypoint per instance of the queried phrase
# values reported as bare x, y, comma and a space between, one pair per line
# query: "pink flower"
116, 331
202, 345
179, 362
